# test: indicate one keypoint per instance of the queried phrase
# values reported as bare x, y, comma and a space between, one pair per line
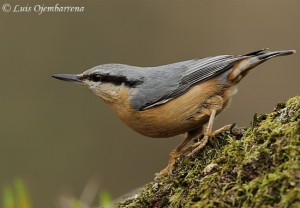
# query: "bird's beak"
68, 77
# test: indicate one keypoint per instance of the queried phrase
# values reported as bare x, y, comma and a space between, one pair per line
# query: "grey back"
164, 83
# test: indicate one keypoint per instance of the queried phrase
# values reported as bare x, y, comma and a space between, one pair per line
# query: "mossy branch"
261, 168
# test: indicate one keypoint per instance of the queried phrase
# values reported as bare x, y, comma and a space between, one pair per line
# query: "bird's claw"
168, 170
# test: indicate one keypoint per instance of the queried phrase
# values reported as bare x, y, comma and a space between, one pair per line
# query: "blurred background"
57, 136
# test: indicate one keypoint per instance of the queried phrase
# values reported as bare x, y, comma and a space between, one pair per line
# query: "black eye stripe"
95, 77
116, 80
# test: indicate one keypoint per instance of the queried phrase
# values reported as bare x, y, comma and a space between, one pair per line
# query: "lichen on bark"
260, 168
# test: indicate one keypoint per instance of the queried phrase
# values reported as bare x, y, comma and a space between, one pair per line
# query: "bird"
180, 98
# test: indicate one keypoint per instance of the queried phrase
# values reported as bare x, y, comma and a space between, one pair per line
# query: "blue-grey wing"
167, 82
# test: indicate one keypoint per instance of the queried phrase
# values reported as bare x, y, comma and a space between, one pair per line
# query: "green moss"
260, 169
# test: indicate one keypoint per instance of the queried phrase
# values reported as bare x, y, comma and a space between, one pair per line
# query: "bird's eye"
95, 77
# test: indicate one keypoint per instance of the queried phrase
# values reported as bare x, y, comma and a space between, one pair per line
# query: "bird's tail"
265, 55
253, 59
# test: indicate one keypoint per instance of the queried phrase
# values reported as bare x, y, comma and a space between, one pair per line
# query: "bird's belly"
160, 128
168, 123
182, 114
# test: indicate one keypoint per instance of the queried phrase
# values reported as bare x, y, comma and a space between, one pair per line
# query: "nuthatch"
172, 99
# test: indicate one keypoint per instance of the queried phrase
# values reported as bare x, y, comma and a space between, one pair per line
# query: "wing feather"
190, 73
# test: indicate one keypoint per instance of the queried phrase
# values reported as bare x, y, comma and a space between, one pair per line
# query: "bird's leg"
177, 152
214, 104
172, 158
207, 134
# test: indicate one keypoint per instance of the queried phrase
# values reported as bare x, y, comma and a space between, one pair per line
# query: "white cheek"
109, 89
92, 85
106, 91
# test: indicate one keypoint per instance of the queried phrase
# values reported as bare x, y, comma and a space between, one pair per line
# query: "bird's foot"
168, 170
191, 150
199, 145
228, 127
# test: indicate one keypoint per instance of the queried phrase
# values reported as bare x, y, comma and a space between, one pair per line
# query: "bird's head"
104, 80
